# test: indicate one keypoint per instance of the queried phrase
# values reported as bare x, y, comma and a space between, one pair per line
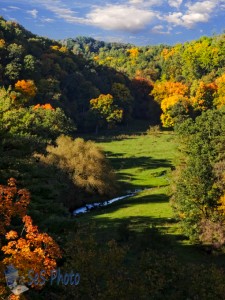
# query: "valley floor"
144, 162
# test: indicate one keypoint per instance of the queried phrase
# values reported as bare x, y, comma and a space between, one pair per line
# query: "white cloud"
146, 3
136, 1
120, 17
33, 13
63, 12
111, 17
202, 7
47, 20
131, 15
159, 29
14, 7
175, 3
189, 20
198, 12
174, 18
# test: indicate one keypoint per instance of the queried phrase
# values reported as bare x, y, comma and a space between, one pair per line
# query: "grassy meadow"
142, 162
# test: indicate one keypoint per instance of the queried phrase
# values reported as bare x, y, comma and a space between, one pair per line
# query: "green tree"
197, 186
13, 70
123, 98
15, 51
42, 123
31, 66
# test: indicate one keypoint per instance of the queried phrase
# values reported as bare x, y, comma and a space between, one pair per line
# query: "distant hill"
63, 79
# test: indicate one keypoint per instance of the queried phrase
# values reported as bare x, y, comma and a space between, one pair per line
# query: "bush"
84, 162
153, 130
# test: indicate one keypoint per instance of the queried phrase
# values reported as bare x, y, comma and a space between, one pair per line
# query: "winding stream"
89, 207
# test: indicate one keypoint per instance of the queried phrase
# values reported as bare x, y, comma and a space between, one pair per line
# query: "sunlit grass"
142, 161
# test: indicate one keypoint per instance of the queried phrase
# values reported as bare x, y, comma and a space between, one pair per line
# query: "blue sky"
140, 22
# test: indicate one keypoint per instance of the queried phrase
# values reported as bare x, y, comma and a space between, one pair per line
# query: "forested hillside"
186, 78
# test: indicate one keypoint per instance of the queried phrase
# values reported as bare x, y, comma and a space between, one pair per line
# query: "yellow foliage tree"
220, 93
166, 89
169, 102
2, 43
106, 110
168, 94
167, 120
167, 53
62, 49
133, 52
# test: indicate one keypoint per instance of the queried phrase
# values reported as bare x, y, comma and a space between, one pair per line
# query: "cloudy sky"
141, 22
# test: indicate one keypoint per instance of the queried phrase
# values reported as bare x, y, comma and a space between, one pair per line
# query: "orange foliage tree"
204, 95
13, 202
35, 251
27, 88
44, 106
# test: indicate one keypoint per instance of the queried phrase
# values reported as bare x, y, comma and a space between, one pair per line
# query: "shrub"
84, 162
153, 130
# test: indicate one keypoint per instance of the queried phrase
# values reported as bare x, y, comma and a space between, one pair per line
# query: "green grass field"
143, 162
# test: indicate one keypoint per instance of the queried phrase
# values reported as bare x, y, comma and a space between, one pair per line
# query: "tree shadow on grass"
146, 232
151, 233
145, 199
143, 163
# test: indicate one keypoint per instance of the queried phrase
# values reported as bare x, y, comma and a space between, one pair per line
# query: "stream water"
89, 207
